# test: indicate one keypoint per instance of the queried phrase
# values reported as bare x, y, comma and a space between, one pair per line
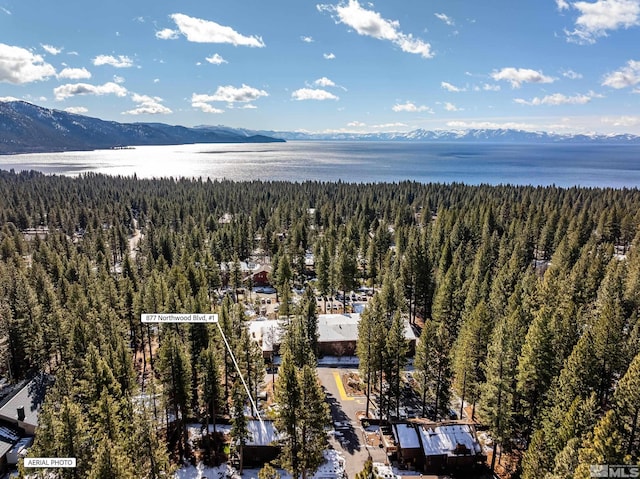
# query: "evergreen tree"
176, 378
469, 355
346, 269
314, 417
432, 365
211, 386
367, 470
268, 472
239, 426
395, 352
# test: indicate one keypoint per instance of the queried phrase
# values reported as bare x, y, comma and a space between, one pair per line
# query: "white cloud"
78, 110
204, 106
324, 82
248, 106
562, 4
451, 107
571, 75
627, 76
445, 18
231, 94
622, 120
73, 89
558, 99
75, 73
597, 18
147, 105
156, 80
313, 94
5, 11
216, 59
452, 88
329, 56
357, 124
18, 66
384, 126
118, 79
51, 49
228, 94
307, 39
491, 125
518, 76
9, 98
370, 23
205, 31
410, 107
489, 87
167, 34
122, 61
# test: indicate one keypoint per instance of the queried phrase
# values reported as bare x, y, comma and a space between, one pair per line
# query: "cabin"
450, 447
259, 276
408, 444
263, 444
21, 409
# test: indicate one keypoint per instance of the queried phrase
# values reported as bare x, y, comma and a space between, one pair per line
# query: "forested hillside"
528, 299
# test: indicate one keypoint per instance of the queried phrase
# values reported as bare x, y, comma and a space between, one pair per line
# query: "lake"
563, 165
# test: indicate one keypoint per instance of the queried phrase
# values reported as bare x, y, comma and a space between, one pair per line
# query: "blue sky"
350, 65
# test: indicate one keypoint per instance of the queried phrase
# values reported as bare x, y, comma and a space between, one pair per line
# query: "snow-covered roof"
449, 440
336, 328
332, 328
245, 266
344, 327
261, 434
407, 436
268, 332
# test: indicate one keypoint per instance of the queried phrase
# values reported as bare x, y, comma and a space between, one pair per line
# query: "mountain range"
28, 128
488, 135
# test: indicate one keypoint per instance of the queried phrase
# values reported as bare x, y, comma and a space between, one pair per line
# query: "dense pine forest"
527, 300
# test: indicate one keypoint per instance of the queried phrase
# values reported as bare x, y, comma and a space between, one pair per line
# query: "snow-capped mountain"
471, 135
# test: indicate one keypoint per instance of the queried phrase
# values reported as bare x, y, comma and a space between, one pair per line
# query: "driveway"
349, 436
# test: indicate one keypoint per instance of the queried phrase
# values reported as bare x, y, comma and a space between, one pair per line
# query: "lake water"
562, 165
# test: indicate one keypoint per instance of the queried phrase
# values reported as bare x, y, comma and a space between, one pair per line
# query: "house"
259, 276
21, 409
409, 448
449, 446
8, 437
248, 270
41, 232
263, 443
268, 334
19, 450
337, 335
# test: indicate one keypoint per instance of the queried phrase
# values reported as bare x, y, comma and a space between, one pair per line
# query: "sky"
544, 65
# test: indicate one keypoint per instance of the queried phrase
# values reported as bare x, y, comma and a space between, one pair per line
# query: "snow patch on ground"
333, 468
203, 472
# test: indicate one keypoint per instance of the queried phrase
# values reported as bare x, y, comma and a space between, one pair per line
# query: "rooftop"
449, 440
30, 396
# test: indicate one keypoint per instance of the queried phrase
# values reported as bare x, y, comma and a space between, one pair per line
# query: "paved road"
350, 438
